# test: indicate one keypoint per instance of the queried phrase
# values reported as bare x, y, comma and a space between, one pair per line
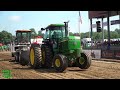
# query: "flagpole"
79, 24
89, 27
119, 19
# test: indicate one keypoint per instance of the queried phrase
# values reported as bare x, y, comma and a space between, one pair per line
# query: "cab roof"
57, 25
23, 30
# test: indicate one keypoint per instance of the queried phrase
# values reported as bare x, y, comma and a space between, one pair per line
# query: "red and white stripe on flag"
80, 19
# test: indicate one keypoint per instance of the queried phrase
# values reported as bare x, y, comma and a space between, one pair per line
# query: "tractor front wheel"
60, 62
84, 61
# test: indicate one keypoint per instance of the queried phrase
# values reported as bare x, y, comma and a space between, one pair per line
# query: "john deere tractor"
21, 48
59, 50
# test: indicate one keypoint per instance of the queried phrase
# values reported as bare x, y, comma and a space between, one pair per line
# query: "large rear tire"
60, 62
35, 57
84, 61
47, 56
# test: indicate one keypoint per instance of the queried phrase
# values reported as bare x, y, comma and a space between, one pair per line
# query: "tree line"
98, 35
6, 37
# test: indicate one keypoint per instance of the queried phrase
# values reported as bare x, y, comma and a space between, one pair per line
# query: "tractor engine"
70, 46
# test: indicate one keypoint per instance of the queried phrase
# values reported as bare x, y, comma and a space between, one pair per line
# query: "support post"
108, 27
102, 33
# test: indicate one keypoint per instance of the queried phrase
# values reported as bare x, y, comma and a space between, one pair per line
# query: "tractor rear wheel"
35, 57
47, 56
84, 61
60, 62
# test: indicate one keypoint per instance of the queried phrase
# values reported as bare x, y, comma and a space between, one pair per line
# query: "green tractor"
59, 50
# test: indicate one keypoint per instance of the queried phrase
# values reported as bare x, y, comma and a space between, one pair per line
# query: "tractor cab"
23, 37
55, 31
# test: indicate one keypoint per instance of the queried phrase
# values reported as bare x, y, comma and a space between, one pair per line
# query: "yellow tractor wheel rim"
32, 56
57, 63
81, 60
43, 57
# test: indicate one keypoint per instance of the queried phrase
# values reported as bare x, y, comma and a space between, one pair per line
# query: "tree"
33, 34
40, 33
114, 34
82, 35
76, 34
117, 30
105, 34
71, 34
5, 37
96, 36
85, 35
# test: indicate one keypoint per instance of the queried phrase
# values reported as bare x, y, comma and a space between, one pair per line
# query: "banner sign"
115, 22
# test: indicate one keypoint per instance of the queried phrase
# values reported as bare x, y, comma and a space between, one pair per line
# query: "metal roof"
100, 14
23, 31
55, 25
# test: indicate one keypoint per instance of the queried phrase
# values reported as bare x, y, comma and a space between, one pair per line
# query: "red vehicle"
1, 44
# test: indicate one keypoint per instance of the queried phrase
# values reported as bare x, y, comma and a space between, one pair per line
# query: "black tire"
46, 57
37, 56
24, 58
85, 64
62, 63
12, 54
17, 56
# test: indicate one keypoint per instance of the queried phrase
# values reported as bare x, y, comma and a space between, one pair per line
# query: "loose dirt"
98, 70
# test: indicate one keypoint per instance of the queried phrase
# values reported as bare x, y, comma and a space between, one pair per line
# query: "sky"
14, 20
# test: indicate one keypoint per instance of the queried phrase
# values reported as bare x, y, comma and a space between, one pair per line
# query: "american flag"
80, 19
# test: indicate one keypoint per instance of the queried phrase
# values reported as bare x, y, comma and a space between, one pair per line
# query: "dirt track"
98, 70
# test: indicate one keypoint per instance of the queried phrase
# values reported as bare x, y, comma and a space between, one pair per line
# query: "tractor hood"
70, 44
73, 37
74, 42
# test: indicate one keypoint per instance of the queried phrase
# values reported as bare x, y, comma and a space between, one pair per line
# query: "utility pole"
80, 20
91, 32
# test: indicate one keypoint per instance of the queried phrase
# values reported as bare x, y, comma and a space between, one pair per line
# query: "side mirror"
42, 29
